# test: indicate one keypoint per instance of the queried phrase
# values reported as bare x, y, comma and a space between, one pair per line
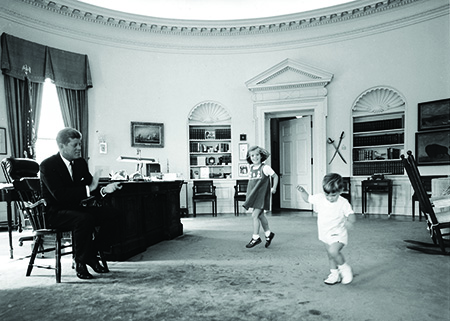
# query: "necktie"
71, 169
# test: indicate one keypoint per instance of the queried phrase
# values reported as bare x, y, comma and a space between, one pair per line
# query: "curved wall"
159, 74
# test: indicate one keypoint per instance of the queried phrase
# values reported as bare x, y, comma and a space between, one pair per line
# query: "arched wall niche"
379, 99
378, 131
293, 88
209, 112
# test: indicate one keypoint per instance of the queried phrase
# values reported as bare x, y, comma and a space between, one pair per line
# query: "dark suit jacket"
58, 188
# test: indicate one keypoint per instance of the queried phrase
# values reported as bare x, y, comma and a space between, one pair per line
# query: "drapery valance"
66, 69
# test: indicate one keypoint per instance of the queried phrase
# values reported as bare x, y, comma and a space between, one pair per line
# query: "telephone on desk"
377, 177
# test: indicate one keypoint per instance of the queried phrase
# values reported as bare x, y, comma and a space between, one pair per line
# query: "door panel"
295, 164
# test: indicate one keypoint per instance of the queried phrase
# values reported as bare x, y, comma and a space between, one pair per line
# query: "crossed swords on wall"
330, 141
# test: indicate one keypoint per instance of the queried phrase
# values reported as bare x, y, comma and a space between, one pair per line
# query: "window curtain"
74, 110
29, 62
23, 100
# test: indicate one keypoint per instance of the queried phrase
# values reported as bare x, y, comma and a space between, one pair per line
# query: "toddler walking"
258, 193
334, 216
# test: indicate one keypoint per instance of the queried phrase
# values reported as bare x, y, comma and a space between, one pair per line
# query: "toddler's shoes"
346, 273
333, 278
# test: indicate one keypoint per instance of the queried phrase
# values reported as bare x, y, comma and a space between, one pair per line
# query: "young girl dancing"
334, 216
258, 193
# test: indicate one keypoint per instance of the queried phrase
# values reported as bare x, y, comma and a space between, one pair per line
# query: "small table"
376, 186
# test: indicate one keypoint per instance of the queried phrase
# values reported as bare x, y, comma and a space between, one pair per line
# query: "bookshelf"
210, 151
378, 142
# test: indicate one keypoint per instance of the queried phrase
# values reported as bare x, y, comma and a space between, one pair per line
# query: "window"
50, 123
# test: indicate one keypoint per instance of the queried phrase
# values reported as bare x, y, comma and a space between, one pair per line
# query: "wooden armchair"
438, 223
204, 191
240, 192
36, 214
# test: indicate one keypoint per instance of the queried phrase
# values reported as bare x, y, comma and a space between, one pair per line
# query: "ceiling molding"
298, 21
294, 31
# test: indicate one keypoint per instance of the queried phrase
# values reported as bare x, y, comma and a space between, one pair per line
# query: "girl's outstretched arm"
303, 192
275, 183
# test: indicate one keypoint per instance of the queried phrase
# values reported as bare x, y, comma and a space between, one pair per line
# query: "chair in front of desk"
240, 193
438, 224
204, 191
36, 214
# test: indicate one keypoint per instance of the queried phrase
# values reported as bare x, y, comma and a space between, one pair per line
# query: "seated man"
65, 182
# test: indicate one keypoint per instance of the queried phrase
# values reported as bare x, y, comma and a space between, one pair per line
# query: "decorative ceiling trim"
221, 28
47, 16
379, 99
209, 112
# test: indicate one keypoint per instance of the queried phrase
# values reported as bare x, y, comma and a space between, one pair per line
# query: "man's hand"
111, 187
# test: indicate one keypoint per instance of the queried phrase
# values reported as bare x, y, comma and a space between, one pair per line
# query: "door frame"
315, 107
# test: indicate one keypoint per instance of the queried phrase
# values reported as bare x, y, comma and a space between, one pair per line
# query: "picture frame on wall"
244, 168
434, 114
147, 134
432, 147
3, 145
243, 148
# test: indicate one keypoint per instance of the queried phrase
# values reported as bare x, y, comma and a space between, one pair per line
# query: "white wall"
142, 84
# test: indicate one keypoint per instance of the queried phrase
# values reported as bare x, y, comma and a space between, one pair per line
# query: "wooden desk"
376, 186
8, 195
149, 214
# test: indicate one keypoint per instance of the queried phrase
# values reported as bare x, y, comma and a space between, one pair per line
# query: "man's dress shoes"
97, 267
82, 272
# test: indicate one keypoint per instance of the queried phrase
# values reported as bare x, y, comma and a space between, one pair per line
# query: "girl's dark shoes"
269, 239
253, 242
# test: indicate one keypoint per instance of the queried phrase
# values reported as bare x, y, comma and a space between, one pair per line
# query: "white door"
295, 161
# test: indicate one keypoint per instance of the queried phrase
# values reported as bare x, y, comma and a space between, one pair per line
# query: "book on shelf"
204, 172
384, 139
393, 167
386, 124
201, 160
209, 134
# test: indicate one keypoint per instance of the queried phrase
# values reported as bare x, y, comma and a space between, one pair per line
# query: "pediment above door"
287, 75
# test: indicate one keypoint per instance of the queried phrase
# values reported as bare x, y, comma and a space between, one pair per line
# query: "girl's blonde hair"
333, 183
263, 152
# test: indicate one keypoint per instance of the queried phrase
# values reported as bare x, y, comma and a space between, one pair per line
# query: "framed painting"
244, 169
3, 150
147, 134
434, 115
432, 147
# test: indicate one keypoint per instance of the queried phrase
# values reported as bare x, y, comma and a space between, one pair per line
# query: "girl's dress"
258, 189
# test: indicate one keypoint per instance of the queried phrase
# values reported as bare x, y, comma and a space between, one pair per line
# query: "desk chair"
23, 174
347, 192
240, 191
204, 191
438, 224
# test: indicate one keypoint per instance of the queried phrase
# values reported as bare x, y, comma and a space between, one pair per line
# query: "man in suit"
65, 182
